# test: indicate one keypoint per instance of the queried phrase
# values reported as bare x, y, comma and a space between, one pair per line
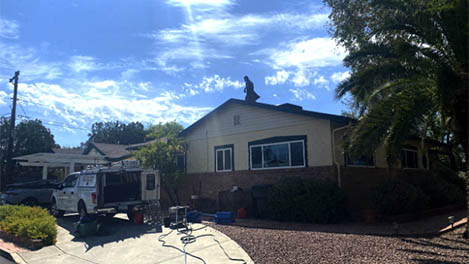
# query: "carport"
70, 162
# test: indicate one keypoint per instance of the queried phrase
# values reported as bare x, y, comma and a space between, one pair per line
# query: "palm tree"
409, 67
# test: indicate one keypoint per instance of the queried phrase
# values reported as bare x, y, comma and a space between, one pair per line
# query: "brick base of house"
357, 182
209, 185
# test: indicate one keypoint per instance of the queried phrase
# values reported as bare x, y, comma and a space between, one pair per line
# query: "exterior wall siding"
255, 124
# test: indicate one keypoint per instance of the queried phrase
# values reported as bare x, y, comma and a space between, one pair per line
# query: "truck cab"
106, 191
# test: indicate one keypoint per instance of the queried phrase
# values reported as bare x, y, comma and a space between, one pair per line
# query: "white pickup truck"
106, 191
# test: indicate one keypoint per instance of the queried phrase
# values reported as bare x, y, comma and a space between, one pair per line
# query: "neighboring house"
64, 161
242, 144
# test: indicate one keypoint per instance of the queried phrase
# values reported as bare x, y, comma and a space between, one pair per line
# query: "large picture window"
224, 158
409, 158
278, 155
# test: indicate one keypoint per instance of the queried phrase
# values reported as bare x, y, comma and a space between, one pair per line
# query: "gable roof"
67, 150
286, 108
114, 151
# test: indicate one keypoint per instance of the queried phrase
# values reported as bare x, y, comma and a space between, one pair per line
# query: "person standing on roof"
251, 96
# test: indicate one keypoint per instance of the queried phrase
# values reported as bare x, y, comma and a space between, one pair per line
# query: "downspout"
337, 164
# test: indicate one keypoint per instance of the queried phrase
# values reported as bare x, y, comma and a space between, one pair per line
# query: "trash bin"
260, 195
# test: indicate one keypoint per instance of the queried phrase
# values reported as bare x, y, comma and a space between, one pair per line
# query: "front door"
150, 185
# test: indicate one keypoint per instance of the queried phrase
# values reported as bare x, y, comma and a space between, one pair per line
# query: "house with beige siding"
243, 144
242, 136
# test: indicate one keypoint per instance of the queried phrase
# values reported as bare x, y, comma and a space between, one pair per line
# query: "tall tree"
409, 67
30, 136
162, 155
115, 132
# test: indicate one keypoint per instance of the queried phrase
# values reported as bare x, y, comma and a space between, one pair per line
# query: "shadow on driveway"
113, 230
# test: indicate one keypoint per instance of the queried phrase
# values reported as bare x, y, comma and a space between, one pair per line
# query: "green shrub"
317, 201
395, 197
282, 198
452, 177
439, 191
28, 222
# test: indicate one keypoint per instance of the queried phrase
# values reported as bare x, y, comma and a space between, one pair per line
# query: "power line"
54, 106
22, 109
55, 123
50, 122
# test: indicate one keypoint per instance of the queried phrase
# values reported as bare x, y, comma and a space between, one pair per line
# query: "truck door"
150, 185
68, 192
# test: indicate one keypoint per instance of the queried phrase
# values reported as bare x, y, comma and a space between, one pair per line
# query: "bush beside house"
394, 197
307, 200
28, 222
418, 192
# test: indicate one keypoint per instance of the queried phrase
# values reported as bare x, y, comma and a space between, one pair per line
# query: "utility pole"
9, 166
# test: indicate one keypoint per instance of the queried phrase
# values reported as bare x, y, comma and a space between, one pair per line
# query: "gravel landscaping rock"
289, 245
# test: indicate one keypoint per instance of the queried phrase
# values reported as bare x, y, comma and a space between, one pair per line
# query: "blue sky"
83, 61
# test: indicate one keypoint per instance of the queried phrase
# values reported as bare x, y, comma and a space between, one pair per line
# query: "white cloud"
315, 52
298, 61
9, 29
301, 94
80, 108
216, 36
321, 82
199, 2
129, 74
238, 30
212, 84
279, 78
80, 63
302, 77
3, 97
340, 76
14, 57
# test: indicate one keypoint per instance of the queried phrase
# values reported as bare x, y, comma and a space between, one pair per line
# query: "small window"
151, 179
409, 158
70, 181
365, 160
87, 180
113, 178
236, 120
223, 159
181, 162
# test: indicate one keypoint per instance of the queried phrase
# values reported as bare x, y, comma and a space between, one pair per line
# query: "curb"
6, 255
13, 257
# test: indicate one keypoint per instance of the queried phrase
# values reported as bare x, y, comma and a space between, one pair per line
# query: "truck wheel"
54, 211
82, 209
29, 202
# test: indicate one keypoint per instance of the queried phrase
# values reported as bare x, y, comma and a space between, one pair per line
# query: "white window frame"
289, 155
224, 165
416, 160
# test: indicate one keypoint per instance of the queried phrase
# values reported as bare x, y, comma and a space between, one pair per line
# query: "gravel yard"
286, 244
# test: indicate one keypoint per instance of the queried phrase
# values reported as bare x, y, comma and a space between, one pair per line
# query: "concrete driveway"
126, 243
